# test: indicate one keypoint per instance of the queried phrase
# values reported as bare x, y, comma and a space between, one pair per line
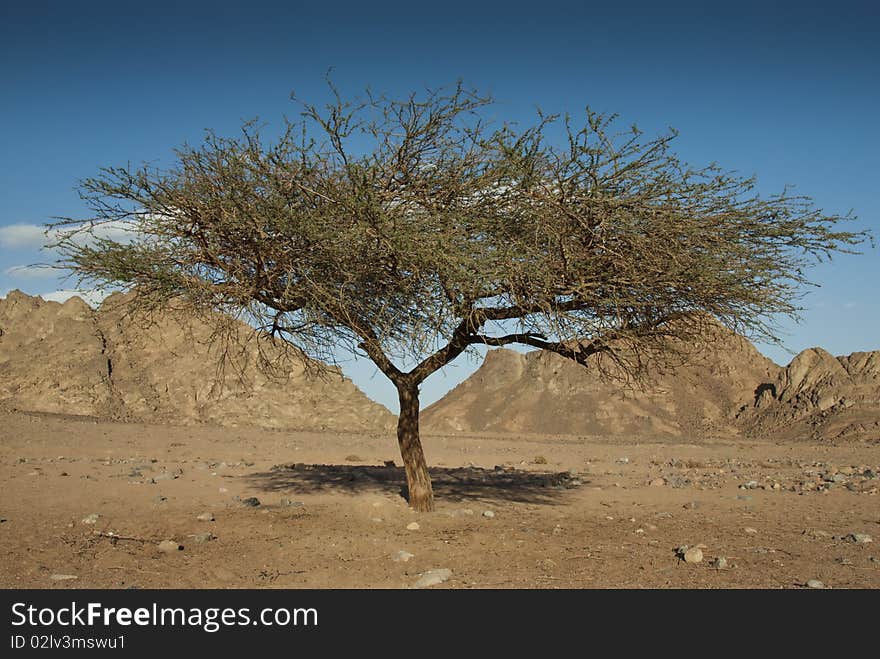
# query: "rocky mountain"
728, 388
819, 396
67, 358
543, 392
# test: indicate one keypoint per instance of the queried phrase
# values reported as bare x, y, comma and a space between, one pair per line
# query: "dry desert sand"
112, 443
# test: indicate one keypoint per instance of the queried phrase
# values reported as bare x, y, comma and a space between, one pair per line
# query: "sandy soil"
339, 523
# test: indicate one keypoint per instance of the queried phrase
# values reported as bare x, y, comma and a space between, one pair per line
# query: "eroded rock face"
819, 396
67, 358
728, 388
545, 393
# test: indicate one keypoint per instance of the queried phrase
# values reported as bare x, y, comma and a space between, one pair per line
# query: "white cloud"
18, 236
31, 272
22, 235
92, 297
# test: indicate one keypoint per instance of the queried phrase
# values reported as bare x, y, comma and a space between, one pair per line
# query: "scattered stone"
690, 554
719, 563
206, 517
658, 482
164, 476
489, 514
859, 538
91, 519
540, 460
622, 461
170, 547
160, 499
815, 583
843, 561
750, 530
413, 526
433, 577
691, 505
251, 502
294, 504
750, 485
202, 538
816, 533
402, 556
63, 577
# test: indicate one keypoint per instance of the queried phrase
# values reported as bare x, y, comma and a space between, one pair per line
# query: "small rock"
719, 563
433, 577
622, 461
693, 555
540, 460
170, 547
750, 485
402, 556
353, 458
691, 505
467, 511
750, 530
815, 583
293, 504
202, 538
159, 499
860, 538
413, 526
206, 517
488, 513
63, 577
91, 519
251, 502
658, 482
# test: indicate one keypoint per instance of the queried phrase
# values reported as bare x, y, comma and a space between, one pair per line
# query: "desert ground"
86, 504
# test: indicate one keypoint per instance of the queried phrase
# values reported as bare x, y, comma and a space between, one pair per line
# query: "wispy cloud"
31, 272
21, 236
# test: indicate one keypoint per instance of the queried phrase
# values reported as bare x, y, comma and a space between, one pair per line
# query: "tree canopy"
411, 229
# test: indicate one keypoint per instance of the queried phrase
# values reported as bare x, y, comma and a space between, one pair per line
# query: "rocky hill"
67, 358
728, 388
819, 396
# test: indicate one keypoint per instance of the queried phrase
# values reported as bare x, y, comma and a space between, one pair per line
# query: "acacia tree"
411, 230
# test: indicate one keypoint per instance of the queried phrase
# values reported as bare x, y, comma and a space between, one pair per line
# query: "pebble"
202, 538
402, 556
251, 502
433, 577
488, 513
159, 499
691, 505
91, 519
719, 563
815, 583
693, 555
413, 526
860, 538
749, 529
169, 546
658, 482
294, 504
63, 577
206, 517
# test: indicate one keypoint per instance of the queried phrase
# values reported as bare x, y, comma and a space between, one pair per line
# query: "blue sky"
790, 93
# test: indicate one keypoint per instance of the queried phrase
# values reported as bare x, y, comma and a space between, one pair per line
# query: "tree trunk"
420, 494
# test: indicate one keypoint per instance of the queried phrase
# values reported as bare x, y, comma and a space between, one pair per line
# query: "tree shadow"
455, 484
